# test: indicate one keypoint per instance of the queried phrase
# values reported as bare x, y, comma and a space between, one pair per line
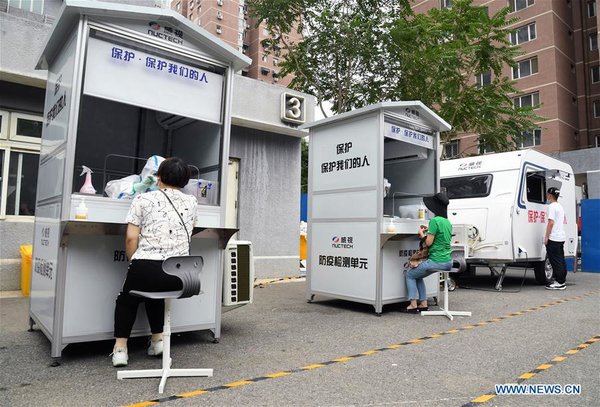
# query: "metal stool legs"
445, 309
166, 371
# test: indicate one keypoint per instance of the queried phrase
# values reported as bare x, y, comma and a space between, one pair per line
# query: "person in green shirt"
438, 237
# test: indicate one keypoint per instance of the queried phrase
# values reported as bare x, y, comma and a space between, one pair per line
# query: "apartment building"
558, 70
230, 21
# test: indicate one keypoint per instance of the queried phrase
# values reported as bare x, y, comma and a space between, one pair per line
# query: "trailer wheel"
543, 272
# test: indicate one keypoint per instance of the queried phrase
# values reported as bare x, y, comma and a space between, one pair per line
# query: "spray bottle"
87, 187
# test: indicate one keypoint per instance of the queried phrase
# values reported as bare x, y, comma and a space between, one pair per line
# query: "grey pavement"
281, 332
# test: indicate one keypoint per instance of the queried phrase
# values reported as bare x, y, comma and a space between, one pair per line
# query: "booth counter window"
20, 136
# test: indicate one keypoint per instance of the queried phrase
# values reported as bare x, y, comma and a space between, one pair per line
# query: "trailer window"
536, 187
472, 186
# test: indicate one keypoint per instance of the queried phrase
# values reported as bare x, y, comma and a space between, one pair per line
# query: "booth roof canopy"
425, 113
72, 10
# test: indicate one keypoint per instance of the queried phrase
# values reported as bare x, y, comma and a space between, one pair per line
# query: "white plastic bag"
122, 188
151, 166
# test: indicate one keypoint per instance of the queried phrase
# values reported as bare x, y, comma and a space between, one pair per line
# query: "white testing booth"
125, 83
360, 232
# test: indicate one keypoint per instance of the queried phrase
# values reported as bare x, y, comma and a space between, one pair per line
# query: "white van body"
498, 209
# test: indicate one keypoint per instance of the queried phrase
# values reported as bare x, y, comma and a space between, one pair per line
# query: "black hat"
555, 192
437, 204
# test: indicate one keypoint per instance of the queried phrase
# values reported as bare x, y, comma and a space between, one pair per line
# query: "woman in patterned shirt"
159, 226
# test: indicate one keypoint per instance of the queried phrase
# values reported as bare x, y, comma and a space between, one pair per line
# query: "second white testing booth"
125, 83
369, 170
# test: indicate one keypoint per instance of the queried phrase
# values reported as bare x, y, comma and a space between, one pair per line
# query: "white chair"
445, 309
187, 269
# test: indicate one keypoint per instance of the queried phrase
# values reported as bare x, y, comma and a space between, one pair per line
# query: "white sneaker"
119, 357
556, 286
155, 348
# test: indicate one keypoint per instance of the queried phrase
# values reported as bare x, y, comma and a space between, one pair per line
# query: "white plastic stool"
445, 310
187, 269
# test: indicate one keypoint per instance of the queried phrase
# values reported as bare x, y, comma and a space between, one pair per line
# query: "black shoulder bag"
189, 235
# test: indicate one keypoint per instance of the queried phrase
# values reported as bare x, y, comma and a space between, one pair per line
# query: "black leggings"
143, 275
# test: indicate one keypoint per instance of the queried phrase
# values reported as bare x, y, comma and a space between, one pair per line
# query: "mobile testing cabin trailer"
357, 240
499, 213
124, 83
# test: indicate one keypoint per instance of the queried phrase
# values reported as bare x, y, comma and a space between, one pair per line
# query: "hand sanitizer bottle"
81, 212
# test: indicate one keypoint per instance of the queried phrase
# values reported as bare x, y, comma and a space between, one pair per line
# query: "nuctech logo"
342, 242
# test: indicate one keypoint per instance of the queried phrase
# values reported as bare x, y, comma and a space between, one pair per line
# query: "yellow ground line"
393, 346
583, 345
417, 340
544, 366
593, 340
370, 352
278, 374
435, 336
559, 359
192, 393
468, 327
143, 404
453, 331
310, 367
571, 352
484, 398
238, 383
526, 375
343, 359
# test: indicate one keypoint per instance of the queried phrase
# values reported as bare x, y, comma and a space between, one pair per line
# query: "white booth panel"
121, 73
96, 270
58, 101
343, 259
44, 266
359, 204
50, 176
395, 254
345, 156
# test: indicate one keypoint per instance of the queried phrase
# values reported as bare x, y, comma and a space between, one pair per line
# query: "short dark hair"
555, 192
174, 172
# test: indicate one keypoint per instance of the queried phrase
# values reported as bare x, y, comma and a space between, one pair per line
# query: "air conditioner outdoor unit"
238, 278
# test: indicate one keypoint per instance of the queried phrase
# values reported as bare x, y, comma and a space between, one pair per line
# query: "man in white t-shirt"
555, 241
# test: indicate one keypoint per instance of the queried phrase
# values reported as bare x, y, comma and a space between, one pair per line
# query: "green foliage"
304, 162
359, 52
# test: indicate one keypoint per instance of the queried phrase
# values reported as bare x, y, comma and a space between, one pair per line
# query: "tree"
304, 168
357, 52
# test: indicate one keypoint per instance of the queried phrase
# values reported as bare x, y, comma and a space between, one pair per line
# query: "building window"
485, 148
446, 3
516, 5
531, 100
596, 109
531, 139
275, 62
178, 7
25, 127
525, 68
220, 15
219, 2
451, 148
591, 8
523, 34
484, 79
595, 74
264, 57
593, 41
264, 71
597, 138
35, 6
219, 29
20, 137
